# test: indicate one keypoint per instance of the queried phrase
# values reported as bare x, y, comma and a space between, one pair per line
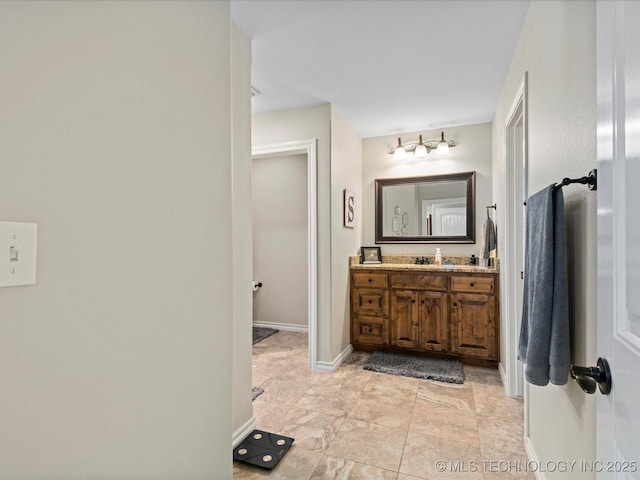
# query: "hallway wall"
115, 138
306, 124
557, 48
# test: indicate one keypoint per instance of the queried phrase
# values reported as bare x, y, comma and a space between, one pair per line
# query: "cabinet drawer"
373, 280
472, 284
421, 281
372, 330
370, 301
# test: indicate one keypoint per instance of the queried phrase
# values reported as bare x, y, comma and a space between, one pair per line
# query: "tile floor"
355, 424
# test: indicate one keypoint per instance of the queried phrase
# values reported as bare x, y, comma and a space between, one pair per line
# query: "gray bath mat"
256, 392
260, 333
449, 371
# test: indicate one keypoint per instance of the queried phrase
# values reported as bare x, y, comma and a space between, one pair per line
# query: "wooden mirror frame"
468, 177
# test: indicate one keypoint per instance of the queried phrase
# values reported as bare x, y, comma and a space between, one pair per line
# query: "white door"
449, 221
618, 59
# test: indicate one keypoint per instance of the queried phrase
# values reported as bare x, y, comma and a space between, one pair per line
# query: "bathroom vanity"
449, 311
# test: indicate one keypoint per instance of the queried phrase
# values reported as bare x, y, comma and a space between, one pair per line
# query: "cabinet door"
434, 321
405, 329
473, 331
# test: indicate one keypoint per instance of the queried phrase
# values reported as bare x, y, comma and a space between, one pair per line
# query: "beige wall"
346, 172
473, 152
339, 159
115, 139
241, 217
280, 233
306, 124
557, 48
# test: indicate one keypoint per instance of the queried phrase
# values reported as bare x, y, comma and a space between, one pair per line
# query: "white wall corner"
533, 458
503, 377
243, 431
333, 366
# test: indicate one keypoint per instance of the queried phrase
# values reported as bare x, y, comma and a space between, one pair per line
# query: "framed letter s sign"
349, 209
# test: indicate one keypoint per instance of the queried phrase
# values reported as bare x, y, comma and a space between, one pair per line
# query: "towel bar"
590, 180
494, 206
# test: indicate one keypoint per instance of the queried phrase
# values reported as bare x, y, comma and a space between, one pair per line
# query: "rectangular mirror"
434, 209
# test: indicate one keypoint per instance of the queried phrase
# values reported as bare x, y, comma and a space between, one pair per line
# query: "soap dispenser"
438, 260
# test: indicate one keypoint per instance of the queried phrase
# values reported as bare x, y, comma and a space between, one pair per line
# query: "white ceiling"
389, 66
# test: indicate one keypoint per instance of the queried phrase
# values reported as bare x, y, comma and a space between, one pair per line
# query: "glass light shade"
443, 147
399, 153
421, 149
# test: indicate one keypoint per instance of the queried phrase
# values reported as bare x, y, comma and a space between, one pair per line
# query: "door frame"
517, 153
308, 148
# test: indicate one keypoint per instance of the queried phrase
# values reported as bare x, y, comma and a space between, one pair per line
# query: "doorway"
284, 238
516, 151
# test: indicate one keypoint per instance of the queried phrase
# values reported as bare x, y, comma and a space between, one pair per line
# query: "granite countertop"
425, 268
457, 264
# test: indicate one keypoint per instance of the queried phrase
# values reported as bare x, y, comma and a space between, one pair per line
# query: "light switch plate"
17, 254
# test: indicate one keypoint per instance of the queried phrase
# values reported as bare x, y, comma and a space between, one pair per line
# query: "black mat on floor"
442, 370
260, 333
262, 449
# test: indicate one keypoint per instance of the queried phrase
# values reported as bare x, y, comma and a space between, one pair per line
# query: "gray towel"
488, 238
544, 345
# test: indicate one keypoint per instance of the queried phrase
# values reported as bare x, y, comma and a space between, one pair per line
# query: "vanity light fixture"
421, 148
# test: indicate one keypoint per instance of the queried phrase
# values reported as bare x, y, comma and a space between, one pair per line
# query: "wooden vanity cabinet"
446, 314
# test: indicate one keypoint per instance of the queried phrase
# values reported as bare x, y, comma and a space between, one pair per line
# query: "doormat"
256, 392
262, 449
260, 333
438, 369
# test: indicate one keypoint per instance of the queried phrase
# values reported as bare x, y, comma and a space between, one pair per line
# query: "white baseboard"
333, 366
533, 457
287, 327
503, 376
243, 431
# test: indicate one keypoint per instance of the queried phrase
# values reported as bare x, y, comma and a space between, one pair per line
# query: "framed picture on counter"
370, 255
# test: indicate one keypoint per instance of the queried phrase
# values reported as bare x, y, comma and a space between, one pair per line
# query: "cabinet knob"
370, 280
472, 284
422, 301
369, 301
